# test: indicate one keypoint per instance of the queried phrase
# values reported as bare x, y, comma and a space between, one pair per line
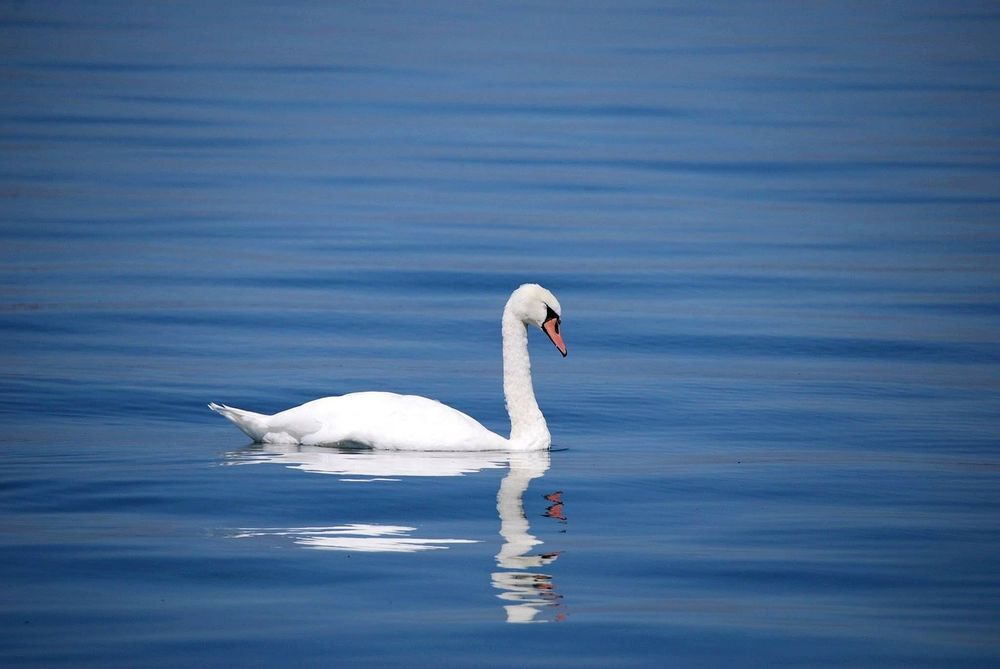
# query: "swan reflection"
370, 465
527, 593
357, 537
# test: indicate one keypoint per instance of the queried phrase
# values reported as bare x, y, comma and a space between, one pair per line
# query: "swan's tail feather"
254, 425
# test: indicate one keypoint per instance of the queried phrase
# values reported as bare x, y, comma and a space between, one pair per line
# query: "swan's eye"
550, 314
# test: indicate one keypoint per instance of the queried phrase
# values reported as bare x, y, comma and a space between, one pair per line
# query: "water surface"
773, 231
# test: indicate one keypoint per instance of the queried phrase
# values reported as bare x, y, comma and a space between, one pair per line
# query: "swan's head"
534, 305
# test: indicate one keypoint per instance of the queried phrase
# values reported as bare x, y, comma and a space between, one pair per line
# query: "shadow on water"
529, 595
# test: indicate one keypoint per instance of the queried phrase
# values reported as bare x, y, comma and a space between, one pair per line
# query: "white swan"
409, 422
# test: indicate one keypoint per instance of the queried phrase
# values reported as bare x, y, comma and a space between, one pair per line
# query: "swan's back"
381, 420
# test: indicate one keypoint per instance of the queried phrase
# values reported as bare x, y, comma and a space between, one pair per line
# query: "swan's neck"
528, 430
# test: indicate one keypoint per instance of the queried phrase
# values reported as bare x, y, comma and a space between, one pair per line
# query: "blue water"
774, 229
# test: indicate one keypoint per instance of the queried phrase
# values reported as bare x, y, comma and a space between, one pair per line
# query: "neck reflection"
530, 593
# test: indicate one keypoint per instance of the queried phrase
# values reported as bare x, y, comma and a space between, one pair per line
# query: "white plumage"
409, 422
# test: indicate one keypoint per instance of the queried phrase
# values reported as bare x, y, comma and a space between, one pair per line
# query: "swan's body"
409, 422
376, 419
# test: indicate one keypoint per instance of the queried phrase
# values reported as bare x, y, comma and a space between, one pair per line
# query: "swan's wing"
386, 420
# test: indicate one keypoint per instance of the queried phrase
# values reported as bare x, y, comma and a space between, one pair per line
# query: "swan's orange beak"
551, 328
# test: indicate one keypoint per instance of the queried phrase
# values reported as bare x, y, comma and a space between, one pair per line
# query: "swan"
385, 420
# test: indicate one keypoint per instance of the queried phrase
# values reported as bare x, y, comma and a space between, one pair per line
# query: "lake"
774, 229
